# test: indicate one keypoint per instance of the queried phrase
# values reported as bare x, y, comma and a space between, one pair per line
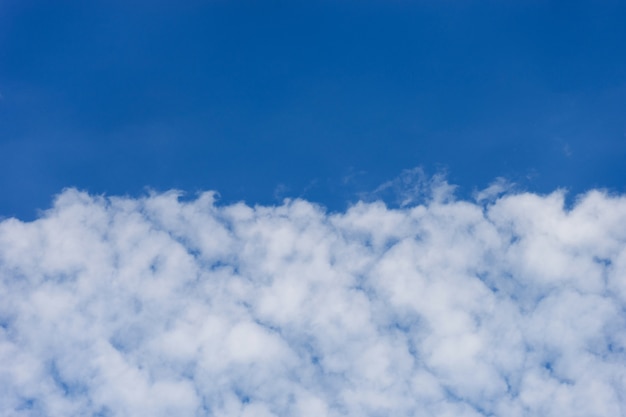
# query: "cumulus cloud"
510, 306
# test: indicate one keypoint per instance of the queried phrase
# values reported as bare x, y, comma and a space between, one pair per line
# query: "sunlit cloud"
510, 304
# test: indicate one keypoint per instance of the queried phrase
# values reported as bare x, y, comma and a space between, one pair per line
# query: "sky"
320, 100
322, 208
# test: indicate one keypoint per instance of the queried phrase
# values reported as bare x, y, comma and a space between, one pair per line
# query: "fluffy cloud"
511, 305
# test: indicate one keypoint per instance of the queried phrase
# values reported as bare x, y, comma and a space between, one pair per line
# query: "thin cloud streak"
512, 305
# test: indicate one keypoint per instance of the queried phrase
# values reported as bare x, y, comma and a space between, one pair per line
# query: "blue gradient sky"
321, 100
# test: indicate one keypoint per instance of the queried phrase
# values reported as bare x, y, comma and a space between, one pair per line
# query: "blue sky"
453, 243
322, 100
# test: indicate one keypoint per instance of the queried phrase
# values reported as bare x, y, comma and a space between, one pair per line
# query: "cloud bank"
513, 305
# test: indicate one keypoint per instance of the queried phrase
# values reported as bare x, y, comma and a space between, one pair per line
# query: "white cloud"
495, 189
512, 305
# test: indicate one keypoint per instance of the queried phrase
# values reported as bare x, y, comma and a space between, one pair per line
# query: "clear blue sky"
322, 100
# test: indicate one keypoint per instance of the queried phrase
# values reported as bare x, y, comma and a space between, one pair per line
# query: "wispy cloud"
512, 305
413, 186
494, 190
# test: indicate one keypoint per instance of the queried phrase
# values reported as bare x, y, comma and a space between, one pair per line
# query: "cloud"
512, 305
494, 190
412, 187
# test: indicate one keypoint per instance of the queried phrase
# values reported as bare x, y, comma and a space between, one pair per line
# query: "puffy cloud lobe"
155, 306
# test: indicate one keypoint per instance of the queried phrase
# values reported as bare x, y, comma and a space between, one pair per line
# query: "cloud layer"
155, 306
